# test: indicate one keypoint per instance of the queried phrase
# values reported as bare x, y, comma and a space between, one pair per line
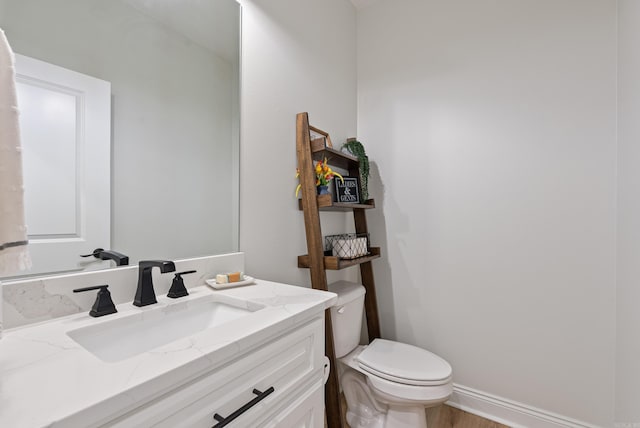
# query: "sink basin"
128, 336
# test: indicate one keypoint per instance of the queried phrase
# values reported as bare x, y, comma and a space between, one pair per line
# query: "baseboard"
507, 412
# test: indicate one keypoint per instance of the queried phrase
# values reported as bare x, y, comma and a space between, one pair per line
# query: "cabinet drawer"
283, 364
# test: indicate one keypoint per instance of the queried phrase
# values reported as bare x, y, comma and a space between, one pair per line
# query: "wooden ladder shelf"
315, 259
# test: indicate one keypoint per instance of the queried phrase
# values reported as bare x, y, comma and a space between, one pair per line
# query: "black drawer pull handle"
222, 422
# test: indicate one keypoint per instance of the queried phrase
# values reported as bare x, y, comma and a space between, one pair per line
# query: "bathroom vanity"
251, 356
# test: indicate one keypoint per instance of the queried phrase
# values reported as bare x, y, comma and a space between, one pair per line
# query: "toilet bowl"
386, 384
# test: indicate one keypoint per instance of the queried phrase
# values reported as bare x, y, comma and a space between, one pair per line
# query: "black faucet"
145, 294
103, 305
102, 254
177, 286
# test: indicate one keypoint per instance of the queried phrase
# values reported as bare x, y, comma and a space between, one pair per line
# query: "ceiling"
205, 22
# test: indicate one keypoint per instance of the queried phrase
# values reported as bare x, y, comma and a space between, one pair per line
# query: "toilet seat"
404, 364
400, 393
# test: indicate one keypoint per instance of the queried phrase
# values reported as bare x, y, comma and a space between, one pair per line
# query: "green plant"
357, 149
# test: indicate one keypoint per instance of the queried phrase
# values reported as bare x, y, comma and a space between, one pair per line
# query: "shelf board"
325, 203
334, 157
336, 263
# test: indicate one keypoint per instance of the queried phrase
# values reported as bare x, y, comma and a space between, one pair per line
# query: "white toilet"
386, 384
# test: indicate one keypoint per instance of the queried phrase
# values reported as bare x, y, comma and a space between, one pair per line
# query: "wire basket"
347, 245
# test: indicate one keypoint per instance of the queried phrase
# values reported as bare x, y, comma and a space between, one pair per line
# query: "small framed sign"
349, 191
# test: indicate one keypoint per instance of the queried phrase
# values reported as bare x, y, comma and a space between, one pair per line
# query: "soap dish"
247, 280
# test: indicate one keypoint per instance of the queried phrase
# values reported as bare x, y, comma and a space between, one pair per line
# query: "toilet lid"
399, 362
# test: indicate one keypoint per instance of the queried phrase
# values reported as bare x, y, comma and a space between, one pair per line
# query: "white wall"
297, 55
172, 120
628, 290
492, 126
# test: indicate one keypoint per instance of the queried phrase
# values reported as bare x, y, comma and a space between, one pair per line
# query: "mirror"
173, 67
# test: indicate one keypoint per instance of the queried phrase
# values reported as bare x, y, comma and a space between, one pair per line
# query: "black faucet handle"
177, 286
96, 254
103, 304
186, 272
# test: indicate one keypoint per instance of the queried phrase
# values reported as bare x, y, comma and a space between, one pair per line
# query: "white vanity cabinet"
258, 357
279, 383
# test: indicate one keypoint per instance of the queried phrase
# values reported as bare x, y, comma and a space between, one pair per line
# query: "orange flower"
324, 174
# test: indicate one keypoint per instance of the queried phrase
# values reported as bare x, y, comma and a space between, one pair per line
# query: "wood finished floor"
448, 417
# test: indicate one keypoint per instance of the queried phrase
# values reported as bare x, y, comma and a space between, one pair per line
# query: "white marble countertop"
49, 380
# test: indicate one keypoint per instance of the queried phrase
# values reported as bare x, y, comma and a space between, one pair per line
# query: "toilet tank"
346, 316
